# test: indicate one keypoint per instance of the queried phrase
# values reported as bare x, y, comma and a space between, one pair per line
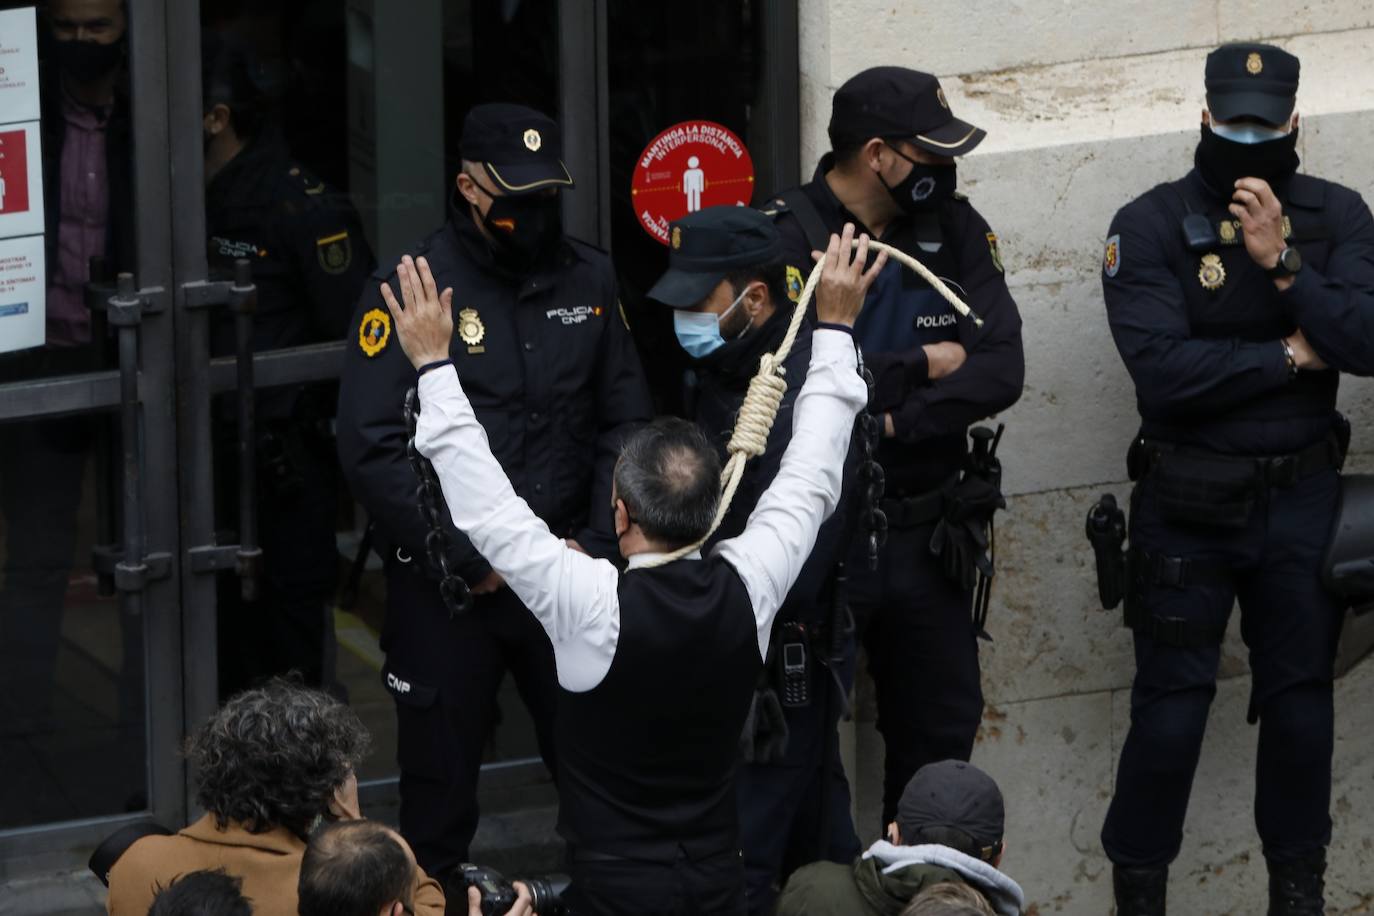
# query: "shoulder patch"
374, 333
334, 252
1111, 256
795, 283
996, 255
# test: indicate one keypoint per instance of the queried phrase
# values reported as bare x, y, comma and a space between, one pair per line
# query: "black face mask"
87, 61
926, 187
523, 230
1222, 162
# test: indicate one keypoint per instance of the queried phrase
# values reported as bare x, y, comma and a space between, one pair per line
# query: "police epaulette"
777, 207
308, 182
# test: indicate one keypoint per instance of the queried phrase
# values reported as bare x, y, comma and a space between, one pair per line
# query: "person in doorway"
657, 667
892, 171
727, 285
88, 210
309, 260
544, 351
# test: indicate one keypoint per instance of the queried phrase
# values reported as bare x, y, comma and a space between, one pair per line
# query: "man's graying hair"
669, 478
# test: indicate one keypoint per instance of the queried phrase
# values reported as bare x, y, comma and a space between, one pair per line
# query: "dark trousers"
444, 673
782, 805
626, 887
1290, 625
284, 628
917, 628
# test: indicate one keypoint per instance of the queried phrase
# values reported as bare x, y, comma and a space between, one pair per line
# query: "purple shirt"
81, 224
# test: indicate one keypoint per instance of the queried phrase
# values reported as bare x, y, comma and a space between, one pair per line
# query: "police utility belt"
1194, 488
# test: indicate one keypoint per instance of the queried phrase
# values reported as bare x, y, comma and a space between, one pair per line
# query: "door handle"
135, 566
245, 557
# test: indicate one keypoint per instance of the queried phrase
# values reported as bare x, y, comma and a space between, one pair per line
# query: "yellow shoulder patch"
996, 255
375, 332
795, 283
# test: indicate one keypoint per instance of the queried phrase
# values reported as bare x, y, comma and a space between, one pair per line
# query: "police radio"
794, 665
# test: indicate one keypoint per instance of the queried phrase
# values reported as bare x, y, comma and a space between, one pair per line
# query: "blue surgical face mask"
1248, 132
699, 332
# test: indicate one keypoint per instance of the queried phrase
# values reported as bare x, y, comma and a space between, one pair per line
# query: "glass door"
90, 635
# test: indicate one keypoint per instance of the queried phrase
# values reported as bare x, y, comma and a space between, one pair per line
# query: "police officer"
727, 286
309, 263
544, 353
1236, 296
892, 171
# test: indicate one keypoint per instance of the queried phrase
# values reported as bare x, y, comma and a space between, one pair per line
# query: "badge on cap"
677, 237
1254, 64
533, 141
940, 97
1211, 274
374, 333
1111, 256
471, 330
795, 283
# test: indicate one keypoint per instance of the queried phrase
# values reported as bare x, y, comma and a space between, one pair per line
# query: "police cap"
1245, 79
705, 246
519, 147
952, 794
900, 104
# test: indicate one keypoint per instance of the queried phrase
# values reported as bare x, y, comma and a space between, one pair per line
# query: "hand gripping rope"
766, 389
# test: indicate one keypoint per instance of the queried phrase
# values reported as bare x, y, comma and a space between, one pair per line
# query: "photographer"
272, 764
657, 667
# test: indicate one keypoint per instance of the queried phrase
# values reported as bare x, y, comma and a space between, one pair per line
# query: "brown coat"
269, 864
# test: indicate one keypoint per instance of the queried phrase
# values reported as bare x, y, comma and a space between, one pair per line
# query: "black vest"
646, 759
1246, 306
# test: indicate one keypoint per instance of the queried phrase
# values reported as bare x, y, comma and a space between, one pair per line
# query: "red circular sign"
688, 167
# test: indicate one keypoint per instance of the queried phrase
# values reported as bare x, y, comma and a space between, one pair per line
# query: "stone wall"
1086, 106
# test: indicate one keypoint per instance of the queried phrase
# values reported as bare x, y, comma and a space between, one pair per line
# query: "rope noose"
767, 387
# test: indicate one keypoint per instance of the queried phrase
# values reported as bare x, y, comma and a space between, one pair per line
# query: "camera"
499, 895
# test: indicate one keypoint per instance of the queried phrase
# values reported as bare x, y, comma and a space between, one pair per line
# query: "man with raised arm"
657, 666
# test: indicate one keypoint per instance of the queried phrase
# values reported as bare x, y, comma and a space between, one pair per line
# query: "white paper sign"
22, 293
18, 65
21, 180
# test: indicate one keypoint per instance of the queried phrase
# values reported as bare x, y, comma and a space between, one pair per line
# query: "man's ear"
622, 518
1206, 117
1293, 125
757, 299
1001, 851
873, 154
468, 188
216, 120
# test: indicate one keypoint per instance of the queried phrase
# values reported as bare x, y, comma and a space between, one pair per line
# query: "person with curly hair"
271, 765
949, 898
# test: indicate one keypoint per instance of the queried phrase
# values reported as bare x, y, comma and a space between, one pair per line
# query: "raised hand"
844, 282
424, 317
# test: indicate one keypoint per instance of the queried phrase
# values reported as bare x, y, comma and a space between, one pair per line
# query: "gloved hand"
764, 738
960, 539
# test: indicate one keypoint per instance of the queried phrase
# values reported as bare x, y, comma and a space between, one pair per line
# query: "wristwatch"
1290, 262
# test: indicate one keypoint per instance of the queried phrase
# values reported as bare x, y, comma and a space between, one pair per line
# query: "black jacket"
716, 389
310, 260
1208, 365
902, 313
551, 371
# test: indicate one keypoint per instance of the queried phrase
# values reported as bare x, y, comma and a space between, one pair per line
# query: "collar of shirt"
644, 559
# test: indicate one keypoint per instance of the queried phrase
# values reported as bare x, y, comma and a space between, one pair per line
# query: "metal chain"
438, 545
871, 478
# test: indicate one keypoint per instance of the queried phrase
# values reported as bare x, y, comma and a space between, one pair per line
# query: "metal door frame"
27, 851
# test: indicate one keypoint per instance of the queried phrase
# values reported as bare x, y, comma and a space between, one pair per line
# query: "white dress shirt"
574, 596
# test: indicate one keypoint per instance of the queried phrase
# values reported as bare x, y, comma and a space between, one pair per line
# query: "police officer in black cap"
892, 170
1236, 296
543, 351
309, 262
727, 285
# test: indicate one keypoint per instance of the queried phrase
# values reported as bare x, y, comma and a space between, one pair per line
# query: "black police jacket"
304, 239
902, 313
1200, 331
716, 389
551, 371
